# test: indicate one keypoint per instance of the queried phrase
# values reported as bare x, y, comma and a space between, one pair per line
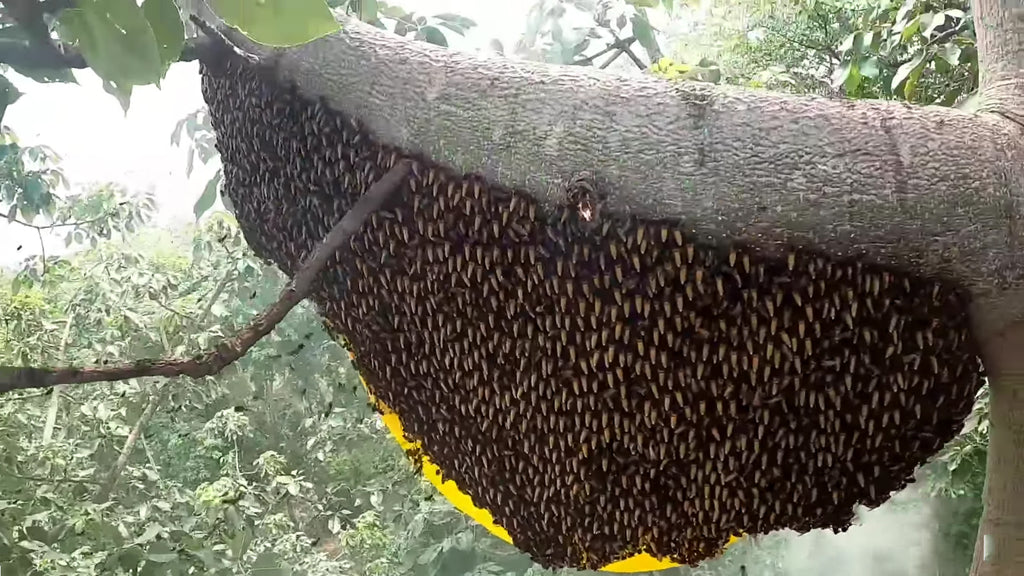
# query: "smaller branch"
617, 45
51, 416
103, 493
12, 398
212, 33
181, 315
828, 51
215, 295
42, 249
45, 479
149, 455
230, 350
609, 61
59, 224
629, 52
639, 63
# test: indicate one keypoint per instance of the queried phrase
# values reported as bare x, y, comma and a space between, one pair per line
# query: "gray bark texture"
933, 190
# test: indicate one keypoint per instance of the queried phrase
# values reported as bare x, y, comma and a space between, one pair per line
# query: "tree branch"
12, 398
58, 224
616, 45
45, 479
228, 351
51, 416
19, 54
103, 493
826, 50
42, 249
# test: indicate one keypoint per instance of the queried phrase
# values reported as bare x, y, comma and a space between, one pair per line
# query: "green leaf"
910, 86
152, 531
453, 27
951, 53
433, 35
460, 21
208, 197
936, 21
869, 67
643, 3
115, 39
842, 73
912, 28
908, 5
168, 29
278, 22
429, 554
123, 93
852, 80
46, 75
645, 35
906, 69
848, 42
176, 133
270, 564
8, 95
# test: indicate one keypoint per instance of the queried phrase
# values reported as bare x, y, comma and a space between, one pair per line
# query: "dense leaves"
915, 50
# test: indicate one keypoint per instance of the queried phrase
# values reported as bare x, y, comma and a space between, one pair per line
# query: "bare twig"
45, 479
103, 493
149, 455
12, 398
60, 224
636, 60
616, 45
42, 249
51, 416
609, 61
826, 50
230, 350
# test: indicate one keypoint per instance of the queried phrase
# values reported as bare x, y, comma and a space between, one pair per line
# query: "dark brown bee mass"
605, 385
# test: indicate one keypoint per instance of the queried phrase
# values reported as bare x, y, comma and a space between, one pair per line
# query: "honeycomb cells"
609, 386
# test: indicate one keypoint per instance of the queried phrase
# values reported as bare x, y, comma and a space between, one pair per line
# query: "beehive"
603, 385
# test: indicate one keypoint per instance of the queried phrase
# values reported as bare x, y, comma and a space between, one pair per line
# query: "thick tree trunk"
1000, 547
932, 190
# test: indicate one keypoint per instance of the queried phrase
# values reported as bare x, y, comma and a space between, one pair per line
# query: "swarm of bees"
603, 386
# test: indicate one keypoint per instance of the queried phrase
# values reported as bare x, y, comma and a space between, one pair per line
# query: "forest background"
277, 466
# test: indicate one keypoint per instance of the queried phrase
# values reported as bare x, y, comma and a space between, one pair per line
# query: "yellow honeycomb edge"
464, 503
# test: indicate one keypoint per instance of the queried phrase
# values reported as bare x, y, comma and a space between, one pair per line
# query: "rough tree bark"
932, 190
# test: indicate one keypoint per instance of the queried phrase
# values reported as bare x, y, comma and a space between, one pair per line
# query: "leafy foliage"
915, 50
30, 179
558, 32
430, 29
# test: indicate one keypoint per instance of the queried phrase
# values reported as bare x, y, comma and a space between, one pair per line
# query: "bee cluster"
602, 387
